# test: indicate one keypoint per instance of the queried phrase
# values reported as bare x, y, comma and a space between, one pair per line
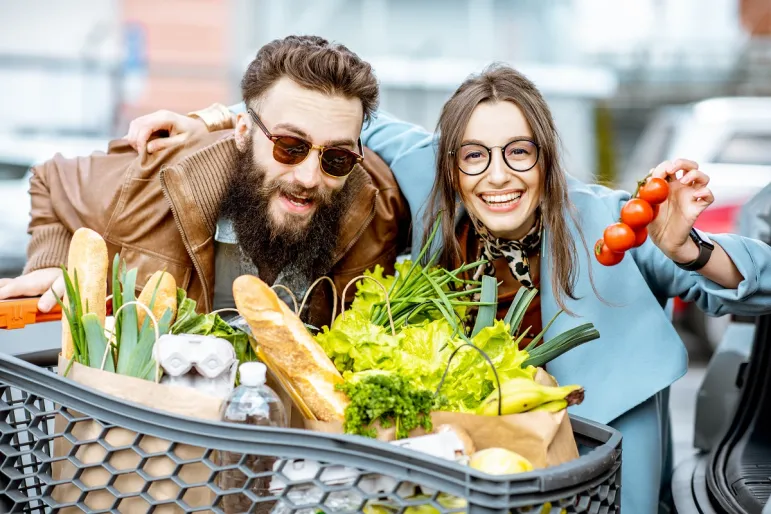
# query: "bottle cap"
252, 373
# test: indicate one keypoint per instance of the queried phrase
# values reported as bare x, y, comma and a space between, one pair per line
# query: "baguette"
287, 343
87, 256
165, 298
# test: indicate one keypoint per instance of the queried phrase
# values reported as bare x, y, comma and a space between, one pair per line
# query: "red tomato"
655, 191
640, 236
619, 237
655, 210
637, 213
605, 256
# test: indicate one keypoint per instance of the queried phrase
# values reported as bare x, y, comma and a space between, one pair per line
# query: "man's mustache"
316, 195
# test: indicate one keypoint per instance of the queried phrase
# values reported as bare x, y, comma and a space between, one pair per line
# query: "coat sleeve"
69, 193
666, 280
410, 152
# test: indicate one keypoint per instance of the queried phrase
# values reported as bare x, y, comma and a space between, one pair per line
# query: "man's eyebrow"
350, 143
291, 128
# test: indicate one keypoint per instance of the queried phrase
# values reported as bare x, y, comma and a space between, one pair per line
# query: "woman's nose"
498, 173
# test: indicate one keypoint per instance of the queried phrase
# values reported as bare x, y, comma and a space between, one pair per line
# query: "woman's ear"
243, 127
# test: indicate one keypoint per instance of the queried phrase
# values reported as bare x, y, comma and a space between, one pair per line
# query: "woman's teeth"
501, 199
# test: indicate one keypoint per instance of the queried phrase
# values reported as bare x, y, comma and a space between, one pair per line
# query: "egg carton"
205, 363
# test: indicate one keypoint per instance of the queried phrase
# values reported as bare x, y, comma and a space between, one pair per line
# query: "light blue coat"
626, 372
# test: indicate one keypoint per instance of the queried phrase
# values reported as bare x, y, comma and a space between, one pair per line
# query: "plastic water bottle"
251, 403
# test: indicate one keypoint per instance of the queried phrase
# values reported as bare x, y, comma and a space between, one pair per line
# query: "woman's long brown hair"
502, 83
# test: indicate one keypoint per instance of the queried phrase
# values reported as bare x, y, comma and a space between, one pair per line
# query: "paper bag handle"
489, 361
387, 300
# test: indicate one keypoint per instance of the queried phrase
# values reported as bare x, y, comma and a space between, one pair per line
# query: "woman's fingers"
695, 178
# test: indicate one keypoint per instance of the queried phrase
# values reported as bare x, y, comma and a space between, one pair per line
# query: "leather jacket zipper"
358, 235
185, 241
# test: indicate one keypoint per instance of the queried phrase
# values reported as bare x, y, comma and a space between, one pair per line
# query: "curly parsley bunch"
390, 399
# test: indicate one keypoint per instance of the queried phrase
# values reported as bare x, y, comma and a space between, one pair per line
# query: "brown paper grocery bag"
173, 399
545, 439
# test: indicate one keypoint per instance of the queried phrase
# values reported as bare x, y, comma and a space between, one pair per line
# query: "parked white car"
18, 152
730, 138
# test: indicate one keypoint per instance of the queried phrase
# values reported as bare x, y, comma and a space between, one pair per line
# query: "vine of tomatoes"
631, 230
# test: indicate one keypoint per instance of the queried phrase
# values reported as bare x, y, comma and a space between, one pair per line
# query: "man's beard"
300, 248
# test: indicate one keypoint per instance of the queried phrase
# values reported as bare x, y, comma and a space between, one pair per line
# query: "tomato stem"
641, 183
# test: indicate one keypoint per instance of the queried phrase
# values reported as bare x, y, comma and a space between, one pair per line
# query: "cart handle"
20, 312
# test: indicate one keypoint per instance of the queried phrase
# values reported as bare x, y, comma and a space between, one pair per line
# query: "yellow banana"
522, 395
555, 406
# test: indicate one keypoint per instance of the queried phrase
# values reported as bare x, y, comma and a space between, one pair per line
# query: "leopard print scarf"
491, 248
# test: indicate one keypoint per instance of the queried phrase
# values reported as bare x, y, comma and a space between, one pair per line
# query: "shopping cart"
308, 472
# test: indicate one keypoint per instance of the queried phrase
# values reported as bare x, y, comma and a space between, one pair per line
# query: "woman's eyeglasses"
474, 159
292, 150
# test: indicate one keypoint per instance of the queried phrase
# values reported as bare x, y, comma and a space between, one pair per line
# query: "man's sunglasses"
292, 150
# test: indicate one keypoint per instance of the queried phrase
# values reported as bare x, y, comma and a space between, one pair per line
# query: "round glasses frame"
490, 149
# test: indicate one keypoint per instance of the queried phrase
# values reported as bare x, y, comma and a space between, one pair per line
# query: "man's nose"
308, 172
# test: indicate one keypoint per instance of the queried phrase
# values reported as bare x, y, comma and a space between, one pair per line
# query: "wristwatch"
705, 251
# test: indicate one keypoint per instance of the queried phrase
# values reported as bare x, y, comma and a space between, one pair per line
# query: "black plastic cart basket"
59, 453
311, 472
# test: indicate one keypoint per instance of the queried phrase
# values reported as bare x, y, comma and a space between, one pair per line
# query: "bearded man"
289, 195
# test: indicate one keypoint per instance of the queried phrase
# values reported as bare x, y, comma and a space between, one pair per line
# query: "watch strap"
705, 252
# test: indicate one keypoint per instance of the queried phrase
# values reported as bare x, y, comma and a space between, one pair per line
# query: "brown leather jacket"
159, 211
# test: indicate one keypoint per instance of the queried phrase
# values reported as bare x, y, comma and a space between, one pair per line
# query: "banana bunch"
524, 395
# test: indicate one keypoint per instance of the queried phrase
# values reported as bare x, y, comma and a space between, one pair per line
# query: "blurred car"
18, 152
729, 473
730, 138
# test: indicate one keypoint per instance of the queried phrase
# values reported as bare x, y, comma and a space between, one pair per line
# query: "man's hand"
180, 129
37, 283
688, 197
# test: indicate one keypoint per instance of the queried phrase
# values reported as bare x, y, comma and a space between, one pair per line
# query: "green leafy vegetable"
73, 314
389, 399
97, 343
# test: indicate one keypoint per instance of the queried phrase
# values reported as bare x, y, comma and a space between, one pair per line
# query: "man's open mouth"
298, 201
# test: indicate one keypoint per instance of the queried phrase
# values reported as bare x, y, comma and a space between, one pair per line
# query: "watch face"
703, 238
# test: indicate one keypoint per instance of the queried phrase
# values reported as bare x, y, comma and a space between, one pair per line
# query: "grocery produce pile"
421, 341
123, 343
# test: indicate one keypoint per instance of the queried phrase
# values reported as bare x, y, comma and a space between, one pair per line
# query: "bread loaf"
165, 298
286, 341
87, 256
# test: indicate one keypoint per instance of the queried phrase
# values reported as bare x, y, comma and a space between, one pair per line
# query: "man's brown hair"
314, 63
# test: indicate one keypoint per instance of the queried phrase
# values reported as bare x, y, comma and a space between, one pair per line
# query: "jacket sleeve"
752, 258
410, 152
69, 193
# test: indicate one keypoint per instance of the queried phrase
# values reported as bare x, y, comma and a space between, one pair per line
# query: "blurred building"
89, 66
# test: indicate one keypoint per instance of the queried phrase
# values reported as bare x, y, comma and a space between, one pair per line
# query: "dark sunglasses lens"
290, 150
337, 163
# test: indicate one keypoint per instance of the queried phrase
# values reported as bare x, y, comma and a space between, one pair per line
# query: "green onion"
486, 313
97, 343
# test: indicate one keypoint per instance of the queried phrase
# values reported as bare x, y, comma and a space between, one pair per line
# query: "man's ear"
243, 126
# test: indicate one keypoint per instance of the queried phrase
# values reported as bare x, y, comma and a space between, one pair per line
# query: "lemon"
499, 461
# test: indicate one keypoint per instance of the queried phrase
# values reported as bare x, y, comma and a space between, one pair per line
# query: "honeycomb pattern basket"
68, 448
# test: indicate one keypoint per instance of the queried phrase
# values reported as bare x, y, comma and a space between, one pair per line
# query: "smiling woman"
504, 197
498, 152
